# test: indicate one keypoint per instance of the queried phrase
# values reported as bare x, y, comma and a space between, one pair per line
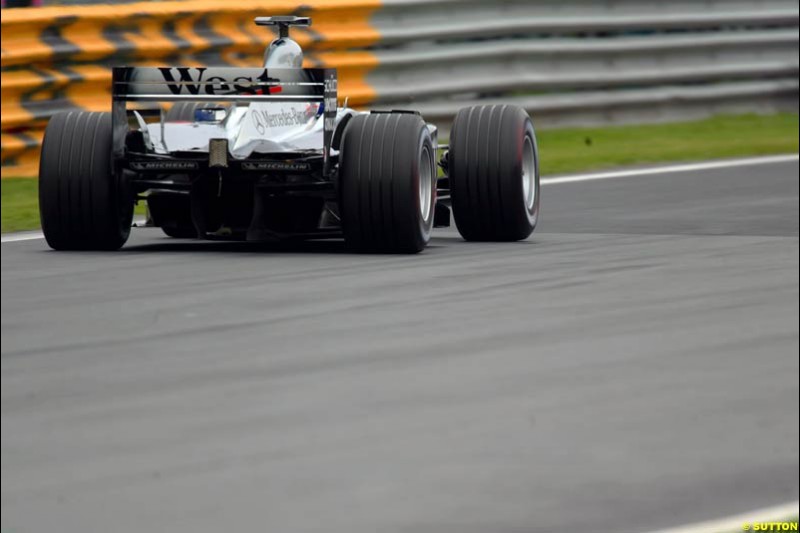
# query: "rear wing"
219, 84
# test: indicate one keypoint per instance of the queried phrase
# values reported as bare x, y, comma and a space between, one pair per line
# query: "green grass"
579, 149
20, 206
568, 150
20, 209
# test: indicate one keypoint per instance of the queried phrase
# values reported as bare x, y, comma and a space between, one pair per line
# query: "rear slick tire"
84, 204
387, 183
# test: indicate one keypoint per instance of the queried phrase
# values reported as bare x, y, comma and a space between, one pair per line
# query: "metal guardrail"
567, 61
585, 62
656, 104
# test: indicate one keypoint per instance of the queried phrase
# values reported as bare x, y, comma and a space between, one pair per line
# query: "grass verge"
568, 150
725, 136
20, 204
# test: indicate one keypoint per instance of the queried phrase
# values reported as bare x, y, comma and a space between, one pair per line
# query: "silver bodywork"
257, 128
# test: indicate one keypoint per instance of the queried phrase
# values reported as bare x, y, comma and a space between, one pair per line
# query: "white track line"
735, 524
22, 236
689, 167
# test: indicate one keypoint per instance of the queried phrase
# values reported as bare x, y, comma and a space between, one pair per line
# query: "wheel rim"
425, 183
528, 173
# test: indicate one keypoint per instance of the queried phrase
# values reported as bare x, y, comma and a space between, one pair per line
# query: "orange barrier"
59, 58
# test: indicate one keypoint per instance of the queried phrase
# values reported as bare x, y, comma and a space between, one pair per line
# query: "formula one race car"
266, 153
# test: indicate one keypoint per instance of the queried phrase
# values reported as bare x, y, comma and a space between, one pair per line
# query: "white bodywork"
260, 128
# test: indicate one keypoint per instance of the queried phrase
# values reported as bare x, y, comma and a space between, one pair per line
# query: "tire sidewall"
425, 227
525, 219
531, 214
123, 195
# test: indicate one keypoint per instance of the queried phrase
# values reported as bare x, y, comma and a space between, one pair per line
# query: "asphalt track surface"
632, 366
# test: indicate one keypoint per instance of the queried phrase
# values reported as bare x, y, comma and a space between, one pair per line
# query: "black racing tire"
83, 203
180, 232
387, 174
184, 111
493, 166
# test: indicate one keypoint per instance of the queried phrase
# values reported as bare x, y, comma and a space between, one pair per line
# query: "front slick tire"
83, 204
387, 183
494, 173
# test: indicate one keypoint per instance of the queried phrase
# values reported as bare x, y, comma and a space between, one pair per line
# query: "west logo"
189, 80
